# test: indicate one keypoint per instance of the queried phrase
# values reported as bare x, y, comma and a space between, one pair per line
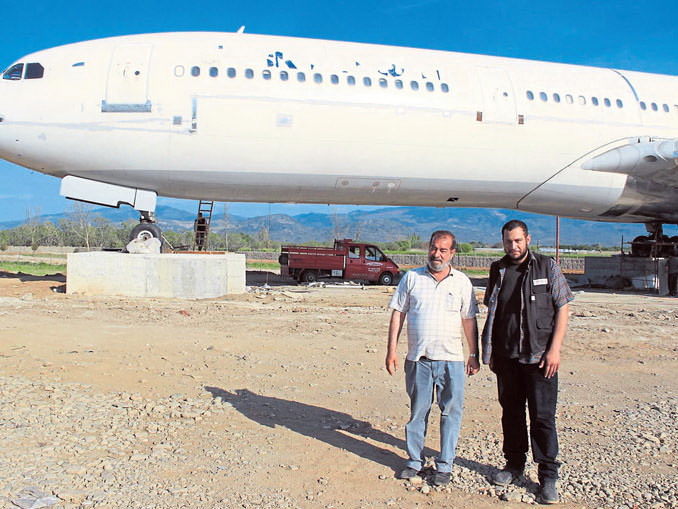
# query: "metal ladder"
201, 226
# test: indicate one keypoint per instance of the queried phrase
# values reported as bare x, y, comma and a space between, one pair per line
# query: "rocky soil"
278, 398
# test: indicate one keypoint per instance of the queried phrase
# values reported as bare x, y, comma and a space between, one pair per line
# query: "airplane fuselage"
239, 117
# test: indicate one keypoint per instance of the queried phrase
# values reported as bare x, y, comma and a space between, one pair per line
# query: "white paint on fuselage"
240, 139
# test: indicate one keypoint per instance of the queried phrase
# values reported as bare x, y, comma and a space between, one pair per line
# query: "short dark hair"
512, 225
443, 233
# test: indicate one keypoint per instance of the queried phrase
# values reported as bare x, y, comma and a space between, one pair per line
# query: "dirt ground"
310, 416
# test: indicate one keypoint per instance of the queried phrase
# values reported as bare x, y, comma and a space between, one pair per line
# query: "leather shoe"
407, 473
441, 478
506, 476
549, 493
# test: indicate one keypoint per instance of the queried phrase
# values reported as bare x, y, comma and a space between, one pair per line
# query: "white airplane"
240, 117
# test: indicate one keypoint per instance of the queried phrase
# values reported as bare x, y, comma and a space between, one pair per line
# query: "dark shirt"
506, 328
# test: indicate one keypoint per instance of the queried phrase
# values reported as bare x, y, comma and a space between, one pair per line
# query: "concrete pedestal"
642, 273
182, 276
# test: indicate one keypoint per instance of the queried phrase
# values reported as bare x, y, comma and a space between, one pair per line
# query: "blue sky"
623, 34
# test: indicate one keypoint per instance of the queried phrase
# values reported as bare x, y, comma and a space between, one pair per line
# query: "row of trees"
82, 229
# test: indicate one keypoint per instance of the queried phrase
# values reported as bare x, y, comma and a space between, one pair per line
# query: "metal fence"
468, 261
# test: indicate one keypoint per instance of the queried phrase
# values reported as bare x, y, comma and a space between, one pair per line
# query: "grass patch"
262, 265
35, 269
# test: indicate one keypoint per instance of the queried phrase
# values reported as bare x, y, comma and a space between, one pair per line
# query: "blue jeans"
447, 379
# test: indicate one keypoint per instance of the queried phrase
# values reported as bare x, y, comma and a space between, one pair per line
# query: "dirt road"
278, 398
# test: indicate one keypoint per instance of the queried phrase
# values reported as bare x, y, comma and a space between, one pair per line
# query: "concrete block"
641, 273
182, 276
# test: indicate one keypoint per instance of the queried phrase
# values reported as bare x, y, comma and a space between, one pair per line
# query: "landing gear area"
147, 228
655, 244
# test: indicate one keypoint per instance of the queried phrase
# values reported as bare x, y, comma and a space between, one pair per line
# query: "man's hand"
472, 366
550, 362
391, 363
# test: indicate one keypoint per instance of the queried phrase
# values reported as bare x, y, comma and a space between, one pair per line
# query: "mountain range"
382, 225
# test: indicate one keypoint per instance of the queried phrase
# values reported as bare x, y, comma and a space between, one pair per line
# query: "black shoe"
548, 493
506, 476
407, 473
441, 478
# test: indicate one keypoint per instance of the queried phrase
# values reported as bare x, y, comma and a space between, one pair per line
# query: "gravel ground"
279, 399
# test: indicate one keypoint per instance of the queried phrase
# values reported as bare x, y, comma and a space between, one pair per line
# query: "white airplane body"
240, 117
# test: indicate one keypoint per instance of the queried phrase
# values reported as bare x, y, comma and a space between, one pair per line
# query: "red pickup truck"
346, 260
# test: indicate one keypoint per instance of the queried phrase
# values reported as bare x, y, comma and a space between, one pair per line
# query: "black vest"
540, 310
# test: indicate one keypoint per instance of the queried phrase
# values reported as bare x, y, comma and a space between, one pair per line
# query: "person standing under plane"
437, 301
527, 299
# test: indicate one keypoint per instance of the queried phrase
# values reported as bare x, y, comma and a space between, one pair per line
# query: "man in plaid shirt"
438, 302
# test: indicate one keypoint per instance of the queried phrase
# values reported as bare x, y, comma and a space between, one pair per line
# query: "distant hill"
383, 225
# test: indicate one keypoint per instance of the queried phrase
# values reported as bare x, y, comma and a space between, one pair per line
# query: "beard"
436, 265
517, 255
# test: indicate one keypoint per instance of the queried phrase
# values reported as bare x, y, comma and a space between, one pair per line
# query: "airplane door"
127, 84
499, 103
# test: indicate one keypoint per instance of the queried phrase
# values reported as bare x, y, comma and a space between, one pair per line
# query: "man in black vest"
527, 298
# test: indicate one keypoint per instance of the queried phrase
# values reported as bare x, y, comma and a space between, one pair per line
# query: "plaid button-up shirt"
434, 313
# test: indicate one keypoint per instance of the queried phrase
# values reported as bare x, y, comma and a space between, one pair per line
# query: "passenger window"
334, 79
354, 252
350, 80
665, 106
284, 76
230, 72
620, 104
594, 101
569, 99
301, 77
214, 72
249, 74
582, 100
371, 254
266, 74
543, 96
34, 71
367, 81
556, 97
398, 84
607, 102
179, 71
318, 78
195, 71
445, 88
654, 106
14, 72
643, 106
530, 95
414, 85
383, 83
429, 86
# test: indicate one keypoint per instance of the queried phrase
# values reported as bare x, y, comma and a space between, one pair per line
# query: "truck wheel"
641, 246
386, 279
283, 259
309, 276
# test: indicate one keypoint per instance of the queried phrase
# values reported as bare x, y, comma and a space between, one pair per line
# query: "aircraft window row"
570, 99
33, 71
581, 100
654, 106
319, 78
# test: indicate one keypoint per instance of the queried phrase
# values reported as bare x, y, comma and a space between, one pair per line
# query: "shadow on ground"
338, 429
57, 278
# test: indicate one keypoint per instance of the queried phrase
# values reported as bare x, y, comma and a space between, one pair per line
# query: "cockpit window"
34, 71
14, 72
